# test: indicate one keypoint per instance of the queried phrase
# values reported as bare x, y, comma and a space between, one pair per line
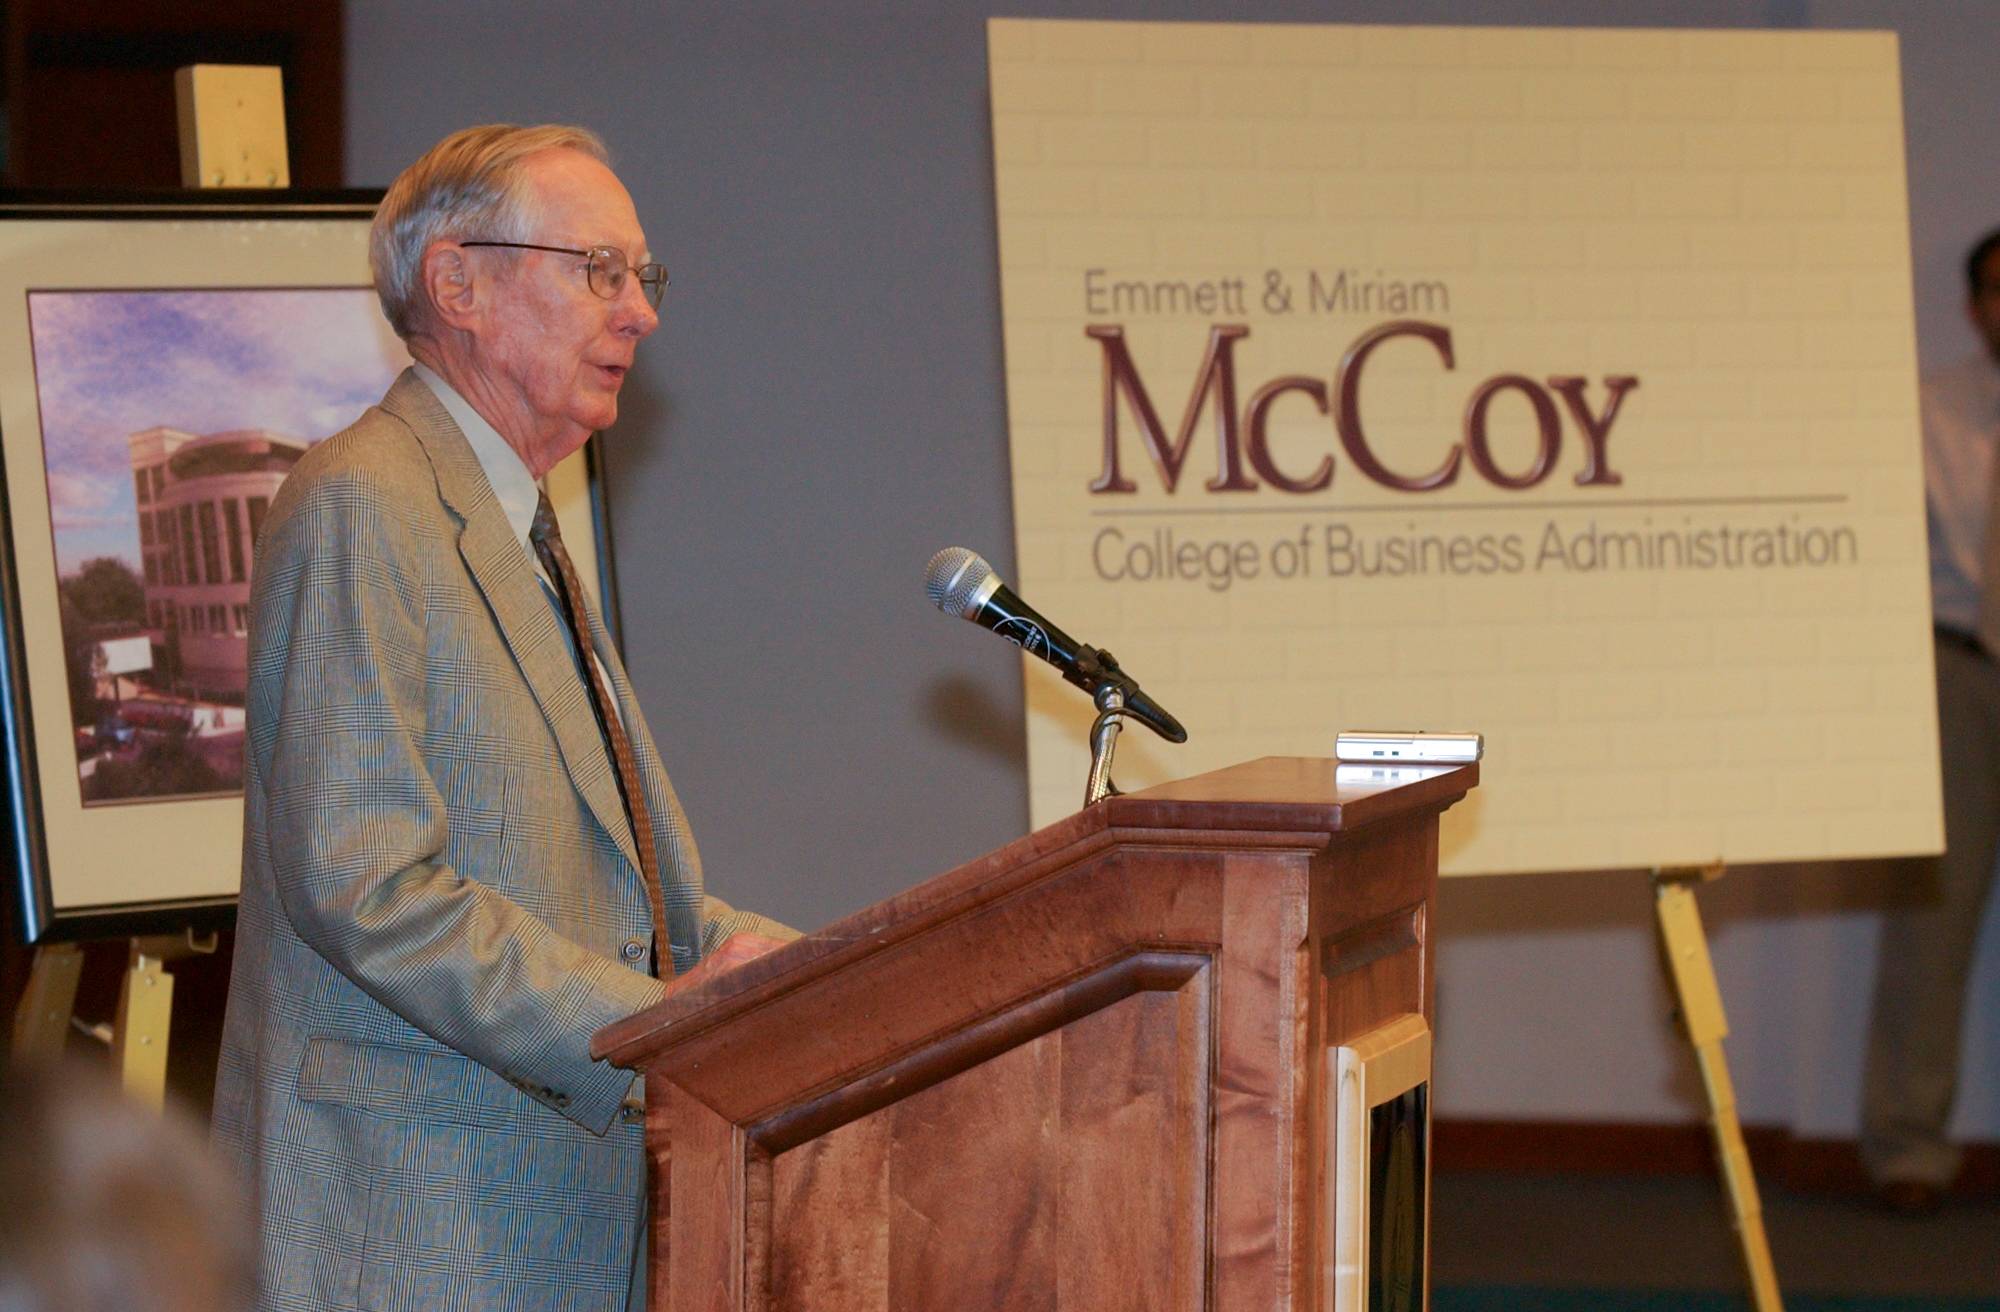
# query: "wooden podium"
1092, 1070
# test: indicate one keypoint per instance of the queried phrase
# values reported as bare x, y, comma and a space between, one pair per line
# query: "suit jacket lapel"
528, 623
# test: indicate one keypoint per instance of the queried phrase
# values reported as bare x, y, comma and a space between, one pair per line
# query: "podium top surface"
1289, 792
1276, 801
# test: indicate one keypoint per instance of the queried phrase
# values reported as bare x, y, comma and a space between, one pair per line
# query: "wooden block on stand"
232, 121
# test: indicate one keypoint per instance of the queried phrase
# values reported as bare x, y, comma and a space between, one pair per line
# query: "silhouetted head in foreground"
105, 1204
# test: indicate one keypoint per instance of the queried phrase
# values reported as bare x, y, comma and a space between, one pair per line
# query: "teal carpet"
1497, 1298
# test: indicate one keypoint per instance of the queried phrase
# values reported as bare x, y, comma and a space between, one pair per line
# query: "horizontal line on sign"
1660, 503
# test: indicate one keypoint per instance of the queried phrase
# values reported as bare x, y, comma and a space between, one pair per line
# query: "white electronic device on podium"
1369, 745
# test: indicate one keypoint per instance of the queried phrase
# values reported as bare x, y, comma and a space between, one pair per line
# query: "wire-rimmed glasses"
605, 269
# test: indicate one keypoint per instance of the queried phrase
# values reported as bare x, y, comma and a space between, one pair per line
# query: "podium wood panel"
1083, 1072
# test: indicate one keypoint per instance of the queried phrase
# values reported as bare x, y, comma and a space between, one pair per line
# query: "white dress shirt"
513, 486
1961, 421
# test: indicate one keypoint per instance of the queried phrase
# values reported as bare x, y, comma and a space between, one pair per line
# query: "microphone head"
953, 581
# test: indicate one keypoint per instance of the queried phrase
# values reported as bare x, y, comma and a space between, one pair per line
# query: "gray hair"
468, 186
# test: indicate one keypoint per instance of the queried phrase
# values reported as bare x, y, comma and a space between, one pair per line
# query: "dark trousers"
1929, 941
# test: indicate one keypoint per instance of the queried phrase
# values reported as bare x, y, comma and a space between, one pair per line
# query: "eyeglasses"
605, 270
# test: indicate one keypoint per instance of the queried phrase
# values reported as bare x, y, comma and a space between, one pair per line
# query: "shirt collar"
513, 486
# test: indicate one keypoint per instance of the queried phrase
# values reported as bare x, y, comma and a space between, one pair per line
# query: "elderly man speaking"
461, 853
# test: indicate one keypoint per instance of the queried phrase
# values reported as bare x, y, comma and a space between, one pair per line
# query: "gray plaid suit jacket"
441, 901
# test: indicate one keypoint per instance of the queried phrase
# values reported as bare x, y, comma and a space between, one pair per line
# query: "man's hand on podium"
734, 951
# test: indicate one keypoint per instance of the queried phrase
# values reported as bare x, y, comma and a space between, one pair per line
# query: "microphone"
960, 582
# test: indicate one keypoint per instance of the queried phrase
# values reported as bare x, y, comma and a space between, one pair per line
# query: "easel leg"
1685, 950
41, 1019
145, 1013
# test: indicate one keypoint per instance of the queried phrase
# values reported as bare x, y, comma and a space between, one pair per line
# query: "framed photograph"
162, 366
1381, 1170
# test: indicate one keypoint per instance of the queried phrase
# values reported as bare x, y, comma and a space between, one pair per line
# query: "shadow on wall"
1597, 900
964, 712
1566, 967
644, 433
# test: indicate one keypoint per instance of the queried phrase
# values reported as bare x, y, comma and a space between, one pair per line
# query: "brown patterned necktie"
547, 537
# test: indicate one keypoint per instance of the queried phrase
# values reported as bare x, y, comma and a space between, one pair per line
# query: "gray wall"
823, 408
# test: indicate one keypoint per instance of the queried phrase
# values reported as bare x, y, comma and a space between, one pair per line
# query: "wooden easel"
232, 134
1698, 996
138, 1037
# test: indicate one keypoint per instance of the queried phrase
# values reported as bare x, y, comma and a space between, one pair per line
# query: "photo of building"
169, 418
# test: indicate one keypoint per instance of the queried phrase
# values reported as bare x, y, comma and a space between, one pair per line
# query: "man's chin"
597, 416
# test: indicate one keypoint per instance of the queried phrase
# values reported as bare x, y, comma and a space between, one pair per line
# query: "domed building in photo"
202, 501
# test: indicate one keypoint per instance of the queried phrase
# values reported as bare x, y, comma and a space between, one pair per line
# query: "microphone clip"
1096, 667
1096, 672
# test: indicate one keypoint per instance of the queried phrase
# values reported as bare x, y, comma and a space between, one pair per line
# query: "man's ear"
449, 284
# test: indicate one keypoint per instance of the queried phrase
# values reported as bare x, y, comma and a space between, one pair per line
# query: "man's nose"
635, 315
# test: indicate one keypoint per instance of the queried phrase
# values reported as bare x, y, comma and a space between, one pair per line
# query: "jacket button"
634, 950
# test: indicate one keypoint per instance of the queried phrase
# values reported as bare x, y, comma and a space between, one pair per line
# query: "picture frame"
163, 360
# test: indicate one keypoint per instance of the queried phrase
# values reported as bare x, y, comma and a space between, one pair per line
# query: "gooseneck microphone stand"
1113, 685
1110, 701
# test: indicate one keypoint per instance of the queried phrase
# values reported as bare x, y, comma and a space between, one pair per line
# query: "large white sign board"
1558, 385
